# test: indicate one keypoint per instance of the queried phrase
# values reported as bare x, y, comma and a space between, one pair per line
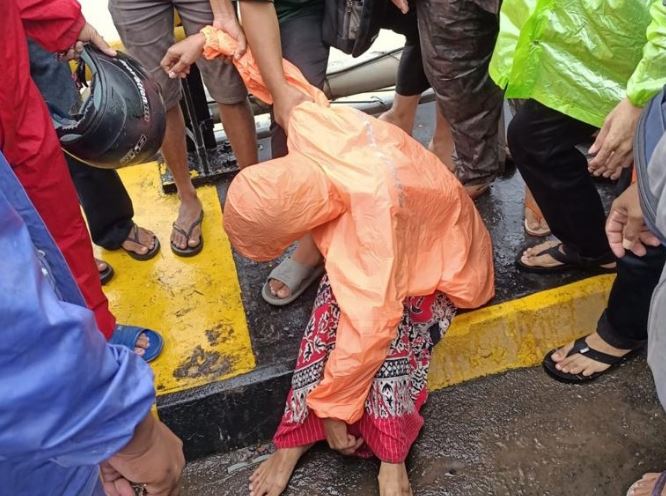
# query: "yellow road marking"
195, 303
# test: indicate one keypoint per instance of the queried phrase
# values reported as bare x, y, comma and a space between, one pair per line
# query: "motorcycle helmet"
123, 118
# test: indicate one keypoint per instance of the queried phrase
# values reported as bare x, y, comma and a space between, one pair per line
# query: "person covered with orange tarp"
403, 244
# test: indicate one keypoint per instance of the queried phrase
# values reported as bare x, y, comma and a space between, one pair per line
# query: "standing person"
411, 82
630, 232
457, 41
29, 142
70, 404
146, 30
104, 199
579, 77
293, 30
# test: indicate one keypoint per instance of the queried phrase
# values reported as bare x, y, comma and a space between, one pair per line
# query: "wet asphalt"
518, 433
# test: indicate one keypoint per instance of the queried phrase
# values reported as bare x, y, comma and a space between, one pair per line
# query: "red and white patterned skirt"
392, 420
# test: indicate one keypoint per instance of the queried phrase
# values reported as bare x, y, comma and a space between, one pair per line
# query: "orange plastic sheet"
388, 216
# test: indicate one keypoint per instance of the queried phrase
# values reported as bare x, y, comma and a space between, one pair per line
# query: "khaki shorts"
146, 30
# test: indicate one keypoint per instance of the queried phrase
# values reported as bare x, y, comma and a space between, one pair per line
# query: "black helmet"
121, 122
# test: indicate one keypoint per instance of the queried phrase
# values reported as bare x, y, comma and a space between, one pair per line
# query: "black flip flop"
190, 251
107, 274
134, 238
569, 260
581, 347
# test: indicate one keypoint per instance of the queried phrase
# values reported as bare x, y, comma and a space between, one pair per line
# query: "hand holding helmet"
88, 35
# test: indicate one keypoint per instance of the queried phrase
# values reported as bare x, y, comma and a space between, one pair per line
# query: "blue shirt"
68, 400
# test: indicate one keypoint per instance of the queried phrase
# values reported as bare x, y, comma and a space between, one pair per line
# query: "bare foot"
534, 224
101, 265
188, 213
645, 486
306, 254
146, 240
272, 476
393, 480
579, 364
142, 345
533, 256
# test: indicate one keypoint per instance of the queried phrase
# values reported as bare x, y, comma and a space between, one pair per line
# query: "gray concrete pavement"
517, 434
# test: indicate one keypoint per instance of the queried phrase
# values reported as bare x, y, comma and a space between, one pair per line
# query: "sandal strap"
581, 347
291, 273
659, 485
194, 224
133, 236
561, 253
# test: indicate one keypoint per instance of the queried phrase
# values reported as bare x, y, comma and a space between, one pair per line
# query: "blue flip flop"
127, 336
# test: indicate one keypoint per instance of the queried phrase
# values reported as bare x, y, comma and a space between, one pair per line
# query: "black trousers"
624, 322
104, 199
105, 202
543, 146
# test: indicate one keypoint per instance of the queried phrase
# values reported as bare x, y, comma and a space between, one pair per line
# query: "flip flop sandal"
581, 347
568, 261
296, 276
127, 336
659, 486
107, 274
134, 238
190, 251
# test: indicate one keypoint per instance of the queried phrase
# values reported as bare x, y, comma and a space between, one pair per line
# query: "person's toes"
101, 265
143, 341
140, 351
279, 289
561, 353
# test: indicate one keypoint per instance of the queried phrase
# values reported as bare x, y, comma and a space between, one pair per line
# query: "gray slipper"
296, 276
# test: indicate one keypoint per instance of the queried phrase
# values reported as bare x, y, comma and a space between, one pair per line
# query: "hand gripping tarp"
388, 216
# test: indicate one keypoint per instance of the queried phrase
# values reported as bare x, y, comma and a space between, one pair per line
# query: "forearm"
222, 9
262, 31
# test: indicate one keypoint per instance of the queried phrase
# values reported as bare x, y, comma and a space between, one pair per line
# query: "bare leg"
306, 254
238, 123
442, 141
535, 224
393, 480
174, 150
403, 112
272, 476
645, 486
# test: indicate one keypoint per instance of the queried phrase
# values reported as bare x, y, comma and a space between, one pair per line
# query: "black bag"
352, 25
651, 128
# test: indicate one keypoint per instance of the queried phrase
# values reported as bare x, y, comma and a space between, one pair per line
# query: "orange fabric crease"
389, 218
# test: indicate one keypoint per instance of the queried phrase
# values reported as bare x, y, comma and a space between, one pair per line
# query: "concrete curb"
246, 409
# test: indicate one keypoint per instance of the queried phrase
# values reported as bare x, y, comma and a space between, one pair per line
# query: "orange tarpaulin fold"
390, 219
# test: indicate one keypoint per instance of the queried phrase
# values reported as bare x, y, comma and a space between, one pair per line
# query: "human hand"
339, 439
625, 226
614, 145
90, 35
180, 57
153, 459
403, 5
230, 25
284, 102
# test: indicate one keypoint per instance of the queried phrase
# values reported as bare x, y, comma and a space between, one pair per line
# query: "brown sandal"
134, 238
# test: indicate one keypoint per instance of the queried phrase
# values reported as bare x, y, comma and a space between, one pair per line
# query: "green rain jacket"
581, 57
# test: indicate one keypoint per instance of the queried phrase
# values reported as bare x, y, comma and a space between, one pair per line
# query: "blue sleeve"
65, 395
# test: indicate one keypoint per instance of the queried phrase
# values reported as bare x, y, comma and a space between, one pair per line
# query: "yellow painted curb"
194, 302
517, 333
